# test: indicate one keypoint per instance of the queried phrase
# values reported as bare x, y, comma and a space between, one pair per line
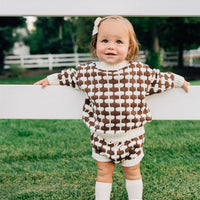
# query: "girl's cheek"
99, 48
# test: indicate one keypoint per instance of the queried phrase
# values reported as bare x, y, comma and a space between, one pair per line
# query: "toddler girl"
115, 109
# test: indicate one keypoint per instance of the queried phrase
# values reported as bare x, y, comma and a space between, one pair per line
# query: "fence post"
50, 59
190, 58
22, 61
76, 54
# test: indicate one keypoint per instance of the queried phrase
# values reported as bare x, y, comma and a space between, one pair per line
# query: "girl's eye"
105, 41
119, 42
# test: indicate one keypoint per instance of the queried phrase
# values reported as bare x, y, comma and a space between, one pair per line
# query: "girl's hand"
185, 86
44, 82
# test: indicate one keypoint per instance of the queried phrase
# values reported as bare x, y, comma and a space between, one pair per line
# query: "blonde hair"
133, 42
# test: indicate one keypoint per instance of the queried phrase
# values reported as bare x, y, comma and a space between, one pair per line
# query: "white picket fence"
191, 58
52, 60
46, 60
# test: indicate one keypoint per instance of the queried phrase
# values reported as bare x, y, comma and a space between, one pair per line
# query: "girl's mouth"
110, 54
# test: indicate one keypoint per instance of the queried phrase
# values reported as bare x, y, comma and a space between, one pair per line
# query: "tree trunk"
180, 55
60, 34
154, 55
72, 37
2, 63
180, 41
156, 46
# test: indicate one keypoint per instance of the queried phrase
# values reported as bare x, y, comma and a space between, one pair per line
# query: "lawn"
21, 80
51, 159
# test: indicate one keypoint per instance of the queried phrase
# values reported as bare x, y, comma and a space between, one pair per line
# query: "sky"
30, 20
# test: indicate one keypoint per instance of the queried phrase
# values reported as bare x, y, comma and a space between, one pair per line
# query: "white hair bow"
96, 24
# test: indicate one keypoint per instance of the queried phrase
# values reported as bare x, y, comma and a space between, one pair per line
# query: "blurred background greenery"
58, 35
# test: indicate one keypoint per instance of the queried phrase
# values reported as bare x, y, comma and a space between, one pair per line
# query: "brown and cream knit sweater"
115, 100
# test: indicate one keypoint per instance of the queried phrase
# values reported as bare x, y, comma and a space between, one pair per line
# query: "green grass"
51, 159
21, 80
195, 82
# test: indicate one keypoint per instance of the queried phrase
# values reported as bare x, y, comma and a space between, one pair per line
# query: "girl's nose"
110, 46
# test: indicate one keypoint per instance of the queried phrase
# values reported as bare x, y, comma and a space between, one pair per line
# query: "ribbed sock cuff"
134, 189
102, 191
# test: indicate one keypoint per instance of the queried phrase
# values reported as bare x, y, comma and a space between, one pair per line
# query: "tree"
61, 35
51, 35
148, 31
170, 33
7, 40
84, 33
181, 33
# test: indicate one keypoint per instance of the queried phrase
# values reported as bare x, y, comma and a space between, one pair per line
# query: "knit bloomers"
125, 149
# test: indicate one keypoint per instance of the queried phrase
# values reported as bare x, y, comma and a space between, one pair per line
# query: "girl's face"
112, 42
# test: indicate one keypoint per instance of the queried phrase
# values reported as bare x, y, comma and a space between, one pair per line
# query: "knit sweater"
115, 100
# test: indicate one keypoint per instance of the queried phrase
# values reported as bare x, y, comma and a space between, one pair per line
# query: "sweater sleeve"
67, 77
161, 81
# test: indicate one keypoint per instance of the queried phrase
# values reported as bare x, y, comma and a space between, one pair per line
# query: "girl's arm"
66, 77
185, 86
44, 82
160, 81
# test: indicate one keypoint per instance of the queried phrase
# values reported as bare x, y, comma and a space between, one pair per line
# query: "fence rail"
32, 102
47, 60
191, 58
52, 60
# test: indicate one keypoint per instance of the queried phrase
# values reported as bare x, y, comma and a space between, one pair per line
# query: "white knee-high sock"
134, 189
102, 191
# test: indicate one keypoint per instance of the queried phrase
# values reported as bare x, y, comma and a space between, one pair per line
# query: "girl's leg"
134, 183
104, 180
132, 173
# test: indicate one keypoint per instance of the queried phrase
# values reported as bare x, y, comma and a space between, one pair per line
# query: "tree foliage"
169, 33
6, 35
181, 33
60, 35
50, 36
84, 32
67, 35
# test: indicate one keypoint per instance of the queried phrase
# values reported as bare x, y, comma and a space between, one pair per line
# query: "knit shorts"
125, 149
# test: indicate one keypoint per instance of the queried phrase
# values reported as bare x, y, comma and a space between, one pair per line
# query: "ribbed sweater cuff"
53, 79
178, 81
